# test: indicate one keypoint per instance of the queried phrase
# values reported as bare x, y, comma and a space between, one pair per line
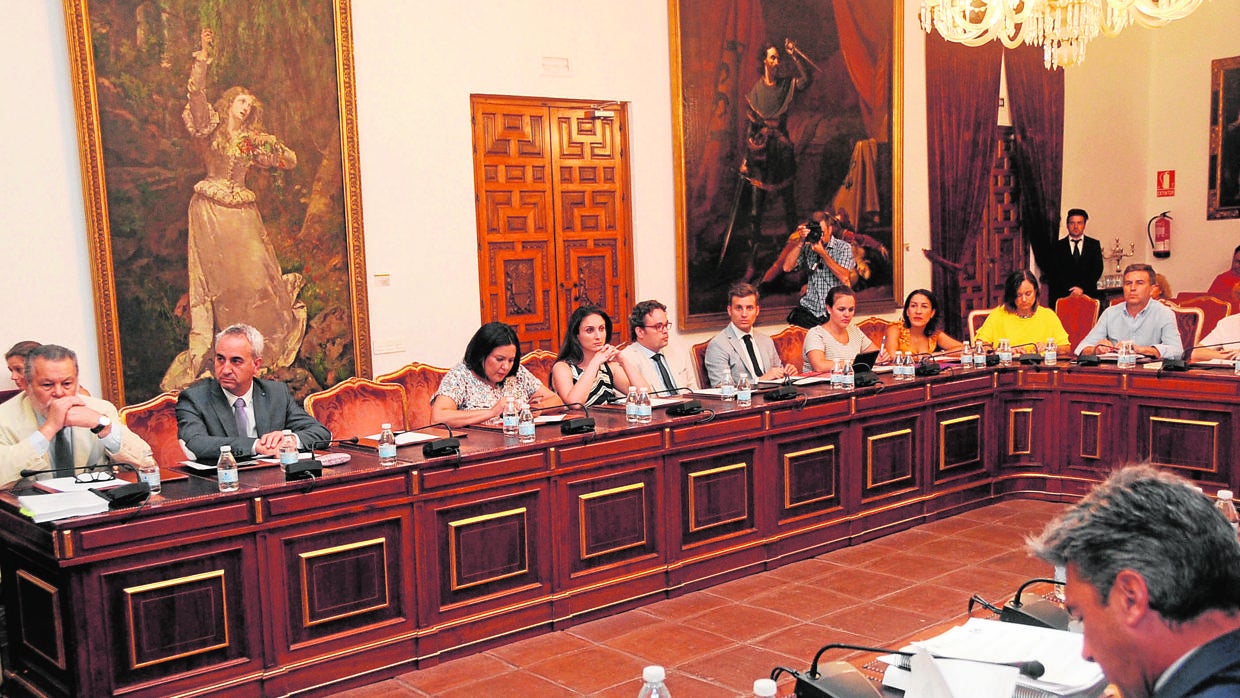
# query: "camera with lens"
813, 232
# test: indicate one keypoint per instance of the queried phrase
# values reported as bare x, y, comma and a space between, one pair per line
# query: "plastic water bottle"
288, 449
226, 471
837, 375
1050, 354
765, 688
850, 377
1005, 352
148, 472
525, 424
1236, 366
727, 389
966, 356
652, 683
644, 413
1227, 507
979, 354
630, 406
387, 446
744, 392
908, 369
510, 416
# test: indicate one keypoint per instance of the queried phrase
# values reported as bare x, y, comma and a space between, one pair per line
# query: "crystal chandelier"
1061, 27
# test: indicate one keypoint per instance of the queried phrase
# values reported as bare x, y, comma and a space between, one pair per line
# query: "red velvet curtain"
1035, 97
864, 28
962, 105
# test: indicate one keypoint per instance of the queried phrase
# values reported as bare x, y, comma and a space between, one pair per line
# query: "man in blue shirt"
1150, 325
829, 260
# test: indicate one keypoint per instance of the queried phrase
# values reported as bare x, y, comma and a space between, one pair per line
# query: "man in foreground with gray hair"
1154, 579
236, 409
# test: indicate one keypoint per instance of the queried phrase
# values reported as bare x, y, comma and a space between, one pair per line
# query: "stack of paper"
62, 505
981, 640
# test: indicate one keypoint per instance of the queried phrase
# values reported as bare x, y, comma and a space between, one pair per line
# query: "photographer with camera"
827, 257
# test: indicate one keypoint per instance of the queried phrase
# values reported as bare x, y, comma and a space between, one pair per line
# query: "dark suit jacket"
1064, 271
205, 420
1212, 672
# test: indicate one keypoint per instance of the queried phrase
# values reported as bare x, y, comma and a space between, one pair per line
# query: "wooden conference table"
373, 571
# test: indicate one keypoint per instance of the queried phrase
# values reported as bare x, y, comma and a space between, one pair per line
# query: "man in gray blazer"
739, 350
238, 410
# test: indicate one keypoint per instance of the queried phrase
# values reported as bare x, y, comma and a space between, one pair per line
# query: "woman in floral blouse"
476, 389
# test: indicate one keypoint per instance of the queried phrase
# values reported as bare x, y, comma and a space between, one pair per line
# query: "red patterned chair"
155, 421
789, 342
539, 363
419, 381
977, 318
699, 362
875, 328
1078, 314
1189, 322
357, 407
1213, 309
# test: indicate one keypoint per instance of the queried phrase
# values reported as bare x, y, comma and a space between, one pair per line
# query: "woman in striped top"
589, 370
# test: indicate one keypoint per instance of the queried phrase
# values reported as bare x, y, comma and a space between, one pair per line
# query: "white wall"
417, 64
1140, 103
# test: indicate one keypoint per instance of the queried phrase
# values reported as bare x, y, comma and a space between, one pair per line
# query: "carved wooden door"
551, 184
1000, 249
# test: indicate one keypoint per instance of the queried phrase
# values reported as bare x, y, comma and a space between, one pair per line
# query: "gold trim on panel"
1011, 447
452, 551
693, 528
581, 518
943, 440
1097, 435
305, 581
57, 622
788, 457
130, 592
869, 457
1213, 426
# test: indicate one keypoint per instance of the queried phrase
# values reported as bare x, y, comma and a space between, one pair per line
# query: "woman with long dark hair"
918, 330
589, 370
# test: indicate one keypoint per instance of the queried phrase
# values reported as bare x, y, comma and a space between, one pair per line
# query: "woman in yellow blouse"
1021, 321
918, 332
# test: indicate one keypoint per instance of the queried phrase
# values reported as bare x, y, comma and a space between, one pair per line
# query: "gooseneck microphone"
1031, 668
27, 472
327, 443
436, 448
575, 425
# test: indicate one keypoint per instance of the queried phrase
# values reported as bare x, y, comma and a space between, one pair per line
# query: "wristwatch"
104, 423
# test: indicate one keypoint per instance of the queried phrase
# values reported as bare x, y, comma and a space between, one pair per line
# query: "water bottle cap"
288, 432
385, 426
653, 674
765, 687
225, 449
1225, 494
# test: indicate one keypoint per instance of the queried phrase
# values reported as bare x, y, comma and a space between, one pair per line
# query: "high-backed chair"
155, 421
358, 407
1189, 322
539, 363
1078, 315
876, 329
1214, 309
419, 381
699, 363
788, 343
976, 319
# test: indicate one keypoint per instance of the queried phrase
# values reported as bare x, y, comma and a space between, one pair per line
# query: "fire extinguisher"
1160, 237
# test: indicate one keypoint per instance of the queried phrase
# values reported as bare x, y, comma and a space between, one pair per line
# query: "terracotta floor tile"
950, 526
1002, 534
686, 606
736, 669
678, 684
858, 554
964, 551
743, 588
878, 621
804, 571
589, 670
1018, 562
392, 688
803, 641
913, 566
670, 644
535, 649
992, 584
742, 623
906, 540
862, 583
803, 601
437, 679
514, 684
933, 600
612, 626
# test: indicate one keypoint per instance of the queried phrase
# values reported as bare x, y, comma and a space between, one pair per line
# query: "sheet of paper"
406, 437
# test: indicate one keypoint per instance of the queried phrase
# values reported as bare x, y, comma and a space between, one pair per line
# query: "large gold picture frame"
193, 226
1224, 177
845, 127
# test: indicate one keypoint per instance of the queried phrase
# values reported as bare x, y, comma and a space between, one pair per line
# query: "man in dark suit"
1076, 261
238, 410
1154, 580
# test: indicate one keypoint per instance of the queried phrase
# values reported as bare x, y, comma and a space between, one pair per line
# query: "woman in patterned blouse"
476, 389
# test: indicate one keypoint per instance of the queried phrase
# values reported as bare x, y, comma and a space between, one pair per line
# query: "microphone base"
684, 409
1040, 613
1088, 360
303, 469
783, 392
1175, 365
835, 680
442, 447
125, 495
577, 425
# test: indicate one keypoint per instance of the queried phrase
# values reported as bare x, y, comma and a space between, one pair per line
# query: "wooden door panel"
516, 220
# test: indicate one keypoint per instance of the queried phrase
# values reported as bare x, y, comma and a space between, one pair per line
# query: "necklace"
1025, 316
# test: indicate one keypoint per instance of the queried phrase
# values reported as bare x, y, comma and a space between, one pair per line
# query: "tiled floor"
717, 641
